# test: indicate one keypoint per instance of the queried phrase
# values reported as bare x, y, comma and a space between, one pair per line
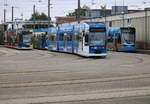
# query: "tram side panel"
51, 42
78, 41
40, 38
69, 42
53, 38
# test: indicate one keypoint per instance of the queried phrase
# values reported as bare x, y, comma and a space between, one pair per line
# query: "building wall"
148, 31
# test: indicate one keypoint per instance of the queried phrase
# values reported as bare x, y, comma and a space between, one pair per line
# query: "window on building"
110, 23
129, 22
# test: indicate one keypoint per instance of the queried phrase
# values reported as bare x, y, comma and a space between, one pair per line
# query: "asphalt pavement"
44, 77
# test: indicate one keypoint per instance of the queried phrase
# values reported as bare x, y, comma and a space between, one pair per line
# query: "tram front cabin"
94, 40
25, 39
19, 39
122, 39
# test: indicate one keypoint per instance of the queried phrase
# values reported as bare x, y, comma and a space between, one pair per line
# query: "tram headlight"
93, 47
29, 44
102, 48
96, 48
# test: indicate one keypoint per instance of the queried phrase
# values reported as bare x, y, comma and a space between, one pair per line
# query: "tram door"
75, 42
65, 41
111, 42
80, 42
54, 40
117, 42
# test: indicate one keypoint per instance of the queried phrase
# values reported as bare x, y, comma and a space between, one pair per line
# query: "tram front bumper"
128, 48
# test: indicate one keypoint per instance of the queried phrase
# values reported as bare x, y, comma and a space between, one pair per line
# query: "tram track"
31, 72
72, 61
2, 53
53, 54
68, 82
53, 80
9, 52
107, 94
139, 61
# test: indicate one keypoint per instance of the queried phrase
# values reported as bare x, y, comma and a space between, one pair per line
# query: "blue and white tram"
122, 39
85, 39
40, 38
52, 42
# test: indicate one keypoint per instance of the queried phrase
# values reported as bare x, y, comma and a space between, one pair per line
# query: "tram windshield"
97, 38
27, 38
128, 37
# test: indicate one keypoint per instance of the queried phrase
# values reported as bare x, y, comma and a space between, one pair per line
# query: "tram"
122, 39
19, 39
40, 38
1, 37
85, 39
52, 42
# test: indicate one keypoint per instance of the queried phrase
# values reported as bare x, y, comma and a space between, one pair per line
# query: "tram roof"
118, 29
66, 29
114, 30
96, 24
52, 30
41, 30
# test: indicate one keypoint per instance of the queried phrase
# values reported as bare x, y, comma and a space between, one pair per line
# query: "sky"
24, 8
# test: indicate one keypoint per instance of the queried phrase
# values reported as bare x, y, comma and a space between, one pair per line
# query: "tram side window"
79, 37
110, 37
61, 37
119, 39
110, 24
52, 37
86, 39
69, 37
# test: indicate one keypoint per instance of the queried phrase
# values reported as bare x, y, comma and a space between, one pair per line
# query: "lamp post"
123, 14
78, 11
34, 17
4, 15
49, 13
12, 17
105, 14
5, 31
4, 27
115, 6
